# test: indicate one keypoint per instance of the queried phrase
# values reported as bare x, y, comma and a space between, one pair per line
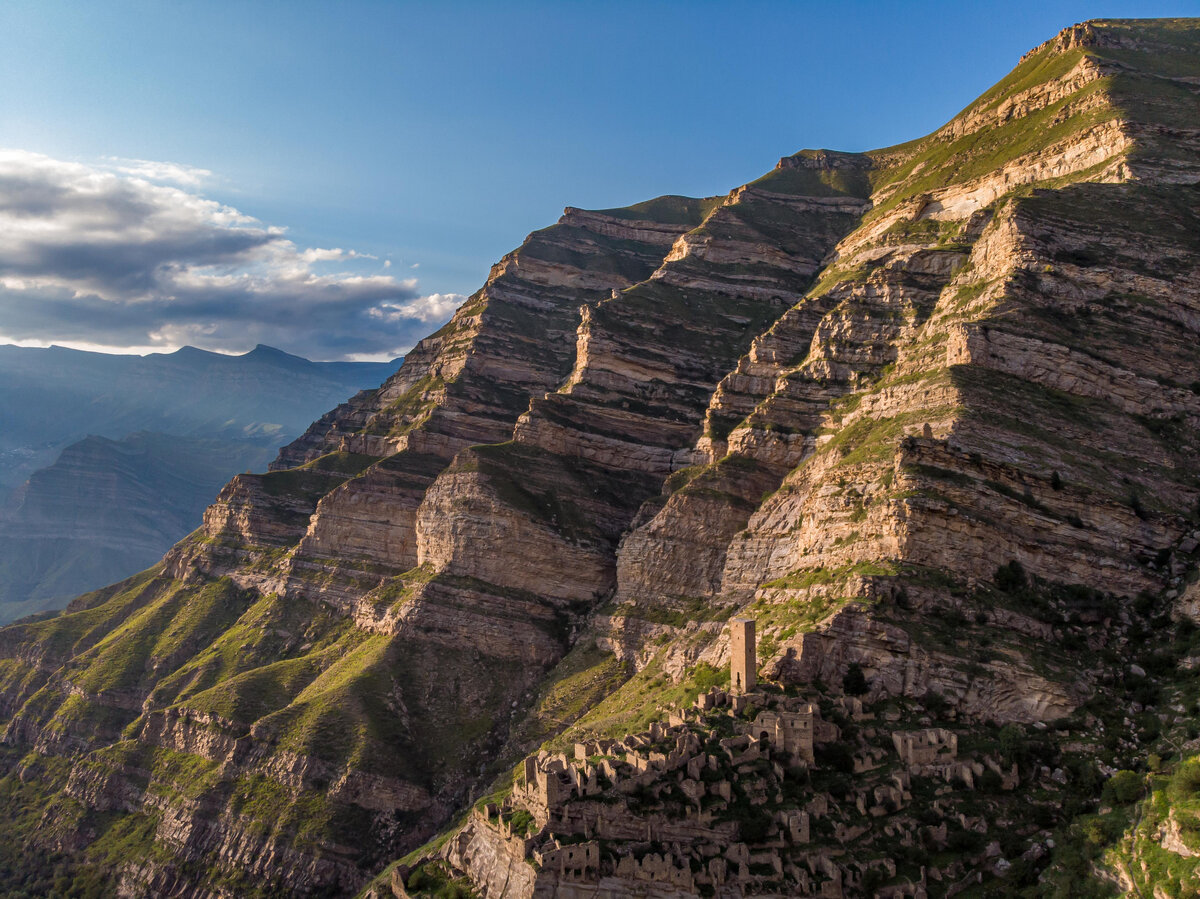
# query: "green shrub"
1011, 742
990, 781
434, 881
1123, 788
706, 676
1011, 577
522, 822
935, 703
1101, 830
872, 879
965, 842
1185, 782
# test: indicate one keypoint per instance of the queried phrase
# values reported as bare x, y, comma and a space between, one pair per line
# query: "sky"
333, 178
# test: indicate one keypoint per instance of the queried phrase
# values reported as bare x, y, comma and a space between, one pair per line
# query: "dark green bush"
1123, 788
835, 757
1185, 782
854, 682
1011, 577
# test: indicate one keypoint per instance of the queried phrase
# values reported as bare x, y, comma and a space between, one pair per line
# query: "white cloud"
436, 307
335, 255
160, 171
104, 255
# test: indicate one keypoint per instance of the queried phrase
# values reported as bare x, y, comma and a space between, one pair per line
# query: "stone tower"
743, 668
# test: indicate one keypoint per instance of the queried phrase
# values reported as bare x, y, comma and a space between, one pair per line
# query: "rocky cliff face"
927, 414
584, 457
465, 385
957, 369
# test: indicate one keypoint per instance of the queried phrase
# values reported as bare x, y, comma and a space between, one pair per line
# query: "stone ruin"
581, 800
743, 665
794, 732
576, 861
932, 746
594, 818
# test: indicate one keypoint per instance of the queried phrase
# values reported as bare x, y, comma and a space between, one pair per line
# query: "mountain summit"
927, 416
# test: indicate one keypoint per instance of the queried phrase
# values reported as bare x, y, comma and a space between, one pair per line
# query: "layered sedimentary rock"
320, 632
950, 393
583, 458
927, 414
464, 385
949, 398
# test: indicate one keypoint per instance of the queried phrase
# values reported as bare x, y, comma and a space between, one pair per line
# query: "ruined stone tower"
742, 664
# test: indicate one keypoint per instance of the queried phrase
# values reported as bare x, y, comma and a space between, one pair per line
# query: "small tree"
1185, 782
1011, 577
854, 682
1123, 788
1011, 743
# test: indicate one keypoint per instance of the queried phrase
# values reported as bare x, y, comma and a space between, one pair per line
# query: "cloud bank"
129, 253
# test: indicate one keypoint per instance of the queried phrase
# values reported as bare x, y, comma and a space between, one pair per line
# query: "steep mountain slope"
928, 414
985, 374
360, 717
122, 453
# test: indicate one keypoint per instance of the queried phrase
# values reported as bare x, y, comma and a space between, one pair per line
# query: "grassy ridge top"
1148, 71
669, 210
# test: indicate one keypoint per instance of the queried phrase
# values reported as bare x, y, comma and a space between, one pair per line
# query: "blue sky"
438, 135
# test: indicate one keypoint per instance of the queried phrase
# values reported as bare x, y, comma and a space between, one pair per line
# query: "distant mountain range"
107, 460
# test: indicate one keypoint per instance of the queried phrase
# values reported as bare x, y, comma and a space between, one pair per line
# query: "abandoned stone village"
750, 791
